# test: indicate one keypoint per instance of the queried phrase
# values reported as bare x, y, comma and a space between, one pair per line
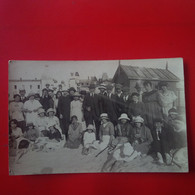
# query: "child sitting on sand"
32, 133
88, 140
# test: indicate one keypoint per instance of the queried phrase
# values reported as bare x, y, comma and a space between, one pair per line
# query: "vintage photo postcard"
97, 116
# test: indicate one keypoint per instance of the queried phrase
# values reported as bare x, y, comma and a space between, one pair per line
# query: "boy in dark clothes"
162, 136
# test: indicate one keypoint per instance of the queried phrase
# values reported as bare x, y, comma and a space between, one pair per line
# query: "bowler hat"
92, 86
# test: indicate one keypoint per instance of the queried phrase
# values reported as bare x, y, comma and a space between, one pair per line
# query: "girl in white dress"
76, 107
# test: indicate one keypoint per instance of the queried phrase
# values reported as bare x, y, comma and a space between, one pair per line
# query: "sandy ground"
66, 160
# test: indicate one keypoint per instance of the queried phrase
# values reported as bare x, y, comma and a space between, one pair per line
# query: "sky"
60, 70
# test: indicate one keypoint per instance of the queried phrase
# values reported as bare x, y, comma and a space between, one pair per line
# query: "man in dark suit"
22, 93
91, 109
119, 99
101, 98
64, 112
110, 105
126, 99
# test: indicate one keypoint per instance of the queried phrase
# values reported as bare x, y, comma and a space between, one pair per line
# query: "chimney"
167, 65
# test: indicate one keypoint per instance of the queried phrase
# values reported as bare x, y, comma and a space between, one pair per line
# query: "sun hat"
72, 89
102, 86
51, 110
41, 110
90, 127
124, 116
31, 94
76, 94
92, 86
138, 119
104, 116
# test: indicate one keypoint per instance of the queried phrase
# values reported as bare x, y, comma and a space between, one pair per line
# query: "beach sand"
66, 160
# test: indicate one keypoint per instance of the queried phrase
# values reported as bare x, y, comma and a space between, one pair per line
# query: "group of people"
127, 124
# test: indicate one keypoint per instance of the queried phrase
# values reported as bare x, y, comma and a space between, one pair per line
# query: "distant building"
131, 76
34, 85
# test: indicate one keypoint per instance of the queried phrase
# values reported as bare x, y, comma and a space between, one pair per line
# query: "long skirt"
102, 145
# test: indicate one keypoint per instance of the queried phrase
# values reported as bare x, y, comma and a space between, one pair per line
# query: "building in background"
29, 85
131, 76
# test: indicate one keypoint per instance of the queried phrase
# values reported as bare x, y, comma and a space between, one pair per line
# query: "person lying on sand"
123, 151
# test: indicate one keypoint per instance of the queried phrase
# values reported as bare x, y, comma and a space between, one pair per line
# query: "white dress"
167, 100
53, 121
41, 123
76, 109
31, 105
88, 139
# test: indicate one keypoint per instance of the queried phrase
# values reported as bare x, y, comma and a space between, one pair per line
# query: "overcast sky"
60, 70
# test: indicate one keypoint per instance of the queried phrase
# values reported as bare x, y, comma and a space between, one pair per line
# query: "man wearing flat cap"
91, 109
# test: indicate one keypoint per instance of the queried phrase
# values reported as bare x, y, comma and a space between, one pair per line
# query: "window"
30, 86
38, 86
15, 86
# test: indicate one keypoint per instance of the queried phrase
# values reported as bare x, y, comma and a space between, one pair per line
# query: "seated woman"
124, 128
141, 136
52, 119
106, 132
88, 140
74, 133
41, 122
32, 133
17, 137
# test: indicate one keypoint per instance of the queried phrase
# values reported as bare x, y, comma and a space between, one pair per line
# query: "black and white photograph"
97, 116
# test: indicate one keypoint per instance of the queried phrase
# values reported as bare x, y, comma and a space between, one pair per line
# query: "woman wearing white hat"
141, 136
124, 128
41, 121
106, 132
52, 119
31, 107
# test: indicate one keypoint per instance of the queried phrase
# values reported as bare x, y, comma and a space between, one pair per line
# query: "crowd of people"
127, 124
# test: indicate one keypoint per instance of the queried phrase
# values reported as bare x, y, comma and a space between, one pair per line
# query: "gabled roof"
143, 73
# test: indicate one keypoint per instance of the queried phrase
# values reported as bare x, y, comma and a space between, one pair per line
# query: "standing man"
119, 99
45, 99
126, 99
64, 112
110, 105
101, 98
22, 93
91, 109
